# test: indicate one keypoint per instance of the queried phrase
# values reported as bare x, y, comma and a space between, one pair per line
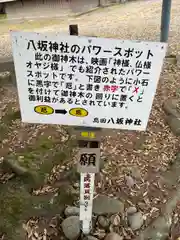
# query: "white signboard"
86, 200
84, 81
88, 160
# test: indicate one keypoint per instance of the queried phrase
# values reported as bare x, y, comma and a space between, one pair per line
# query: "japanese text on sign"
111, 83
86, 195
88, 160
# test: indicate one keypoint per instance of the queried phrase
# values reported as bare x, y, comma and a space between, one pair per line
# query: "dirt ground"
144, 155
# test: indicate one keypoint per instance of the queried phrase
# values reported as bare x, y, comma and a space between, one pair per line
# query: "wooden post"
89, 151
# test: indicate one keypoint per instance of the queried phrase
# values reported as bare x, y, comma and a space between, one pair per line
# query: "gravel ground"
134, 20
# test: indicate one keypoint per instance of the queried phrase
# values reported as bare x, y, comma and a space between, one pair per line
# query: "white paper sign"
84, 81
86, 195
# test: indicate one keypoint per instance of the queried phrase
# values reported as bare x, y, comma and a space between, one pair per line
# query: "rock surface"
172, 110
170, 107
103, 221
136, 221
174, 124
106, 205
71, 211
71, 227
131, 210
113, 236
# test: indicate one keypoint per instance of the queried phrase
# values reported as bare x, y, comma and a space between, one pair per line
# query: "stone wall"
52, 8
47, 8
35, 9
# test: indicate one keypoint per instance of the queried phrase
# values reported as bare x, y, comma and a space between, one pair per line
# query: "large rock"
170, 107
136, 221
71, 211
174, 124
71, 227
113, 236
106, 205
